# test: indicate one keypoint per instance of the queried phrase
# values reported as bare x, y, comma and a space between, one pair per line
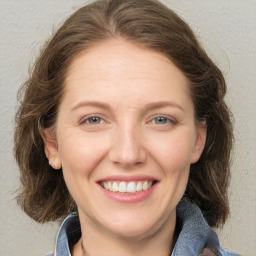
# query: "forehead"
118, 54
125, 68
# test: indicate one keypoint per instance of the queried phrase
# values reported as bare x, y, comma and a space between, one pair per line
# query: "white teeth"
131, 187
122, 187
109, 186
127, 187
145, 185
139, 186
115, 187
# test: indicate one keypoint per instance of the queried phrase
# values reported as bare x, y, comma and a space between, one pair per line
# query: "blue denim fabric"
194, 233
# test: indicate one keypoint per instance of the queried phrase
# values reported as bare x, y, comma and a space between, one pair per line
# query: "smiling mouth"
130, 187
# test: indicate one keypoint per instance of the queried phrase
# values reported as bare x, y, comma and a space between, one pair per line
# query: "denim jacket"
195, 235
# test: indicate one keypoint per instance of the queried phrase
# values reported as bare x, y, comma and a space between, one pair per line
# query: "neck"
99, 241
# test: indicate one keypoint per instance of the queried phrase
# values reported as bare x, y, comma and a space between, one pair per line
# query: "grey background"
227, 30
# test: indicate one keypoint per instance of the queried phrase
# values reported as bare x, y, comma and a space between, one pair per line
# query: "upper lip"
127, 178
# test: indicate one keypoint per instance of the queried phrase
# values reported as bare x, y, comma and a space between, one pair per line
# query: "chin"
133, 226
132, 231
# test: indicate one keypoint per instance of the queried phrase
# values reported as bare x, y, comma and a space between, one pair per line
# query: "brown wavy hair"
43, 193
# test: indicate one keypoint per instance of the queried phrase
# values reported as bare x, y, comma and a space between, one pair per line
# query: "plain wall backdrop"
227, 30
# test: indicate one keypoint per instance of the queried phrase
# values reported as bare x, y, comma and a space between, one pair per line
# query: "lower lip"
129, 197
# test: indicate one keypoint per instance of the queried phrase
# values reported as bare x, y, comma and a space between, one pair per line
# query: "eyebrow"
162, 104
149, 106
91, 103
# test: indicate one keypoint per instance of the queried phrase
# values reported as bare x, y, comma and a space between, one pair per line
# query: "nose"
127, 148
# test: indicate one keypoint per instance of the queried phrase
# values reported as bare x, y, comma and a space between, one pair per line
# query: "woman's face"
126, 136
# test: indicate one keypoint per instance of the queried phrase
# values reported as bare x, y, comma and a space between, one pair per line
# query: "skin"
127, 139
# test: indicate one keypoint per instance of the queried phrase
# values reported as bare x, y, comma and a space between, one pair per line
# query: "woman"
123, 127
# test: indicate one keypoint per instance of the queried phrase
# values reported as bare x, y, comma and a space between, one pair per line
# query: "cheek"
174, 151
79, 155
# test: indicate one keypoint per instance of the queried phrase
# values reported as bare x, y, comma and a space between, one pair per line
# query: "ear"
51, 147
201, 131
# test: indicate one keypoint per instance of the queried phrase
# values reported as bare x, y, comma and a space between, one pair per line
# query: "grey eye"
161, 120
94, 120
